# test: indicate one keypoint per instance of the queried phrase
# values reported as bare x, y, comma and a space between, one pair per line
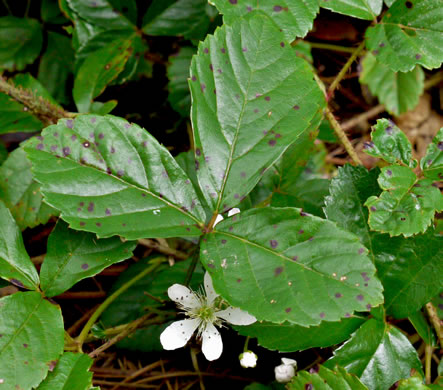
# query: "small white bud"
285, 371
248, 359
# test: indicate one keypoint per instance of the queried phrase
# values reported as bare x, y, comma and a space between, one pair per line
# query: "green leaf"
73, 256
32, 339
390, 144
348, 192
3, 153
56, 66
178, 75
50, 13
31, 84
70, 373
131, 304
110, 177
324, 379
101, 13
13, 117
406, 206
422, 327
294, 17
379, 354
410, 270
398, 91
186, 18
265, 98
288, 337
100, 69
280, 256
21, 193
362, 9
410, 33
20, 42
415, 382
15, 264
303, 50
432, 163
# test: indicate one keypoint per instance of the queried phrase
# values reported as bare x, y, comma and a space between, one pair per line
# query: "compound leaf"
294, 17
363, 9
410, 33
110, 177
70, 373
299, 268
252, 97
74, 255
32, 339
21, 193
432, 163
20, 42
15, 264
398, 91
324, 379
378, 353
406, 206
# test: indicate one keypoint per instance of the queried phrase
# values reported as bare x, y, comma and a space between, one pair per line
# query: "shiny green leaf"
379, 354
178, 75
423, 328
70, 373
398, 91
299, 268
32, 339
294, 17
406, 206
72, 256
288, 337
50, 12
20, 42
410, 270
14, 118
252, 97
110, 177
56, 66
432, 163
15, 264
324, 379
100, 69
362, 9
21, 193
410, 33
390, 144
415, 382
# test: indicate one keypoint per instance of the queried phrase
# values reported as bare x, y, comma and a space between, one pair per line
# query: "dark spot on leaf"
86, 144
193, 78
40, 146
375, 52
244, 49
52, 364
26, 345
338, 295
98, 224
365, 277
267, 98
108, 212
101, 136
206, 50
93, 120
278, 8
91, 207
70, 123
211, 67
82, 224
73, 137
369, 306
373, 208
120, 173
295, 258
389, 172
288, 309
402, 219
282, 44
272, 142
322, 315
308, 386
243, 174
233, 2
278, 271
210, 265
417, 56
360, 251
249, 9
223, 50
409, 4
382, 44
301, 231
359, 297
303, 214
66, 151
314, 370
203, 87
55, 134
223, 241
274, 243
440, 145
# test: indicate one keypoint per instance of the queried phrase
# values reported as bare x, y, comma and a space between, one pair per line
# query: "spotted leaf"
111, 177
299, 268
410, 33
432, 163
294, 17
15, 264
406, 206
72, 256
252, 97
363, 9
379, 354
32, 339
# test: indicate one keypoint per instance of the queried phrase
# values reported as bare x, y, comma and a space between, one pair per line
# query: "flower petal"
178, 333
236, 316
218, 219
184, 296
233, 211
212, 346
209, 288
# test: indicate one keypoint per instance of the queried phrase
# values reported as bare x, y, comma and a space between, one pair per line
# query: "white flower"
203, 313
285, 371
231, 212
248, 359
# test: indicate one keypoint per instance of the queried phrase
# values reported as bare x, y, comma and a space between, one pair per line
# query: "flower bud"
285, 371
248, 359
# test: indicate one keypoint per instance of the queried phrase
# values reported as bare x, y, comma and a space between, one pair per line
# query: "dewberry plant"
296, 250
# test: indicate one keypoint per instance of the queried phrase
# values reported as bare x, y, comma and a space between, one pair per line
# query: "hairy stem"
43, 109
328, 46
433, 316
166, 250
428, 360
155, 263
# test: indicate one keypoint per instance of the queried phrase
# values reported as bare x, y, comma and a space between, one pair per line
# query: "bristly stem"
194, 261
154, 263
435, 320
342, 137
43, 109
343, 71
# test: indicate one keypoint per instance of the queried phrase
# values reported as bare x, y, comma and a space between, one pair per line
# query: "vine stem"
342, 137
43, 109
194, 261
328, 46
156, 262
428, 360
343, 71
433, 316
